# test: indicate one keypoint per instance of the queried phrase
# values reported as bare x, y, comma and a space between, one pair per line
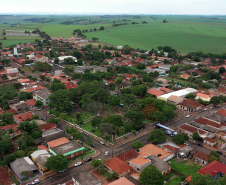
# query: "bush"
20, 153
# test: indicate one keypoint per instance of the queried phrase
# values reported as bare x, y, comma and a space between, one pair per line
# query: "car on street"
107, 152
101, 142
39, 109
186, 144
219, 152
62, 171
78, 163
88, 159
211, 107
205, 109
92, 145
187, 116
200, 144
36, 181
28, 184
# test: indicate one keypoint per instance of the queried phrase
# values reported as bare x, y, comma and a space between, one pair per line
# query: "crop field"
184, 33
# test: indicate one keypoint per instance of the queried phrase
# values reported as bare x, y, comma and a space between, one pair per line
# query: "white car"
107, 152
78, 163
187, 116
36, 181
103, 143
39, 109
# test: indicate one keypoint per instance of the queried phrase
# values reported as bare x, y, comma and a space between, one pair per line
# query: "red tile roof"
47, 126
171, 148
8, 127
210, 140
155, 92
31, 102
192, 129
128, 76
188, 179
165, 89
140, 161
11, 111
116, 164
23, 117
202, 156
206, 121
190, 104
58, 142
221, 112
39, 56
42, 147
157, 65
71, 86
213, 168
128, 155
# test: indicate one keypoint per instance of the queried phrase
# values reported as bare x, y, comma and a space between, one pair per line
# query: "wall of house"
139, 168
200, 160
190, 134
221, 136
169, 157
75, 154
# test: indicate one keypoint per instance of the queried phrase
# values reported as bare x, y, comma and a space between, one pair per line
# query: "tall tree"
137, 144
157, 135
57, 162
151, 176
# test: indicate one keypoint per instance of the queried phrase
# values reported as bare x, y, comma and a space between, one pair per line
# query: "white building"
179, 93
61, 58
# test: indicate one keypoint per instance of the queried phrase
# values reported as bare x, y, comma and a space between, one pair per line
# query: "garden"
186, 167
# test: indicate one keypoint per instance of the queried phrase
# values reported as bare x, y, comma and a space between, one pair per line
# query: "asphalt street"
66, 176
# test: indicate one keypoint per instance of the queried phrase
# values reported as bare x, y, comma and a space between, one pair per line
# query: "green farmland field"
184, 33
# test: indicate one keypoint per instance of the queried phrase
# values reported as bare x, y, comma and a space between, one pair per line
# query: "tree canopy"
151, 176
157, 135
57, 162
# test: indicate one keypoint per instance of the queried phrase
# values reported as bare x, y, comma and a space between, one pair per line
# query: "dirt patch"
4, 177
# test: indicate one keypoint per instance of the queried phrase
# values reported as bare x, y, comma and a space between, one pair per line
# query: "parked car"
219, 152
88, 159
200, 144
28, 184
92, 145
39, 109
202, 110
78, 163
187, 116
205, 109
101, 142
211, 107
107, 152
186, 144
120, 105
36, 181
62, 171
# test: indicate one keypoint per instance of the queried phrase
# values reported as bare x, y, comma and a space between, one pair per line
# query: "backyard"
186, 167
6, 177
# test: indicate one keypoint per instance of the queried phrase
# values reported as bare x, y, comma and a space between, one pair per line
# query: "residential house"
21, 107
126, 180
203, 97
190, 106
201, 157
14, 101
42, 96
53, 136
139, 164
57, 142
62, 58
221, 112
221, 135
99, 68
23, 117
12, 73
189, 130
170, 148
23, 164
210, 141
126, 156
151, 149
116, 164
31, 103
126, 84
41, 58
215, 169
40, 158
186, 151
11, 129
166, 68
155, 92
84, 178
166, 90
47, 126
70, 149
175, 99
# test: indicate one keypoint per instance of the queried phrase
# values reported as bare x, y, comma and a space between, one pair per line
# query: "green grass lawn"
185, 168
28, 69
176, 180
84, 116
87, 126
7, 88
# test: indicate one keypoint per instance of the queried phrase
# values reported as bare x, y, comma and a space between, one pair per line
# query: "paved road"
192, 117
66, 176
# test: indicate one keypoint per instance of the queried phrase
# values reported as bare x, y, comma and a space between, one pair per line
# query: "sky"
192, 7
